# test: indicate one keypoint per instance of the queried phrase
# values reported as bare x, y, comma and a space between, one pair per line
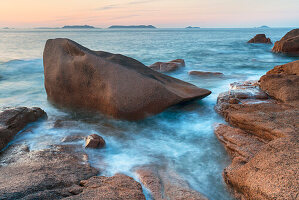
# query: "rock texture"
288, 44
166, 184
264, 142
52, 173
120, 187
94, 141
260, 38
114, 84
168, 66
201, 73
13, 120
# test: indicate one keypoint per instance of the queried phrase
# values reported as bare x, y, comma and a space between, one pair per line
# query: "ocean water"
180, 138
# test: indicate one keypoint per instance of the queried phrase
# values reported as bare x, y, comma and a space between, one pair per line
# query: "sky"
160, 13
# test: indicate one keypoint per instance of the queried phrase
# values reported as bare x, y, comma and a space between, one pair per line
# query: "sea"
182, 137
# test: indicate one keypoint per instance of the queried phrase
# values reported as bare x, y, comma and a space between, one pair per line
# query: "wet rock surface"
13, 120
202, 73
166, 184
260, 38
94, 141
263, 141
168, 66
52, 173
288, 44
118, 186
113, 84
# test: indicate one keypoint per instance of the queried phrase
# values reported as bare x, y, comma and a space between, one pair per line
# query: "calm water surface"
180, 138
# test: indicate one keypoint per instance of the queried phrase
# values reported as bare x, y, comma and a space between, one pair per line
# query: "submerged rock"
201, 73
168, 66
288, 44
94, 141
114, 84
13, 120
260, 38
120, 187
166, 184
264, 142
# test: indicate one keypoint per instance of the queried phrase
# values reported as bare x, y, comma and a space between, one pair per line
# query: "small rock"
201, 73
72, 138
260, 38
94, 141
168, 66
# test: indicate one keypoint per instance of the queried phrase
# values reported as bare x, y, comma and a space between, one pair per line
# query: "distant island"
79, 26
135, 26
263, 27
192, 27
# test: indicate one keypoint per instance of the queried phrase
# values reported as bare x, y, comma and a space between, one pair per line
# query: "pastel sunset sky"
161, 13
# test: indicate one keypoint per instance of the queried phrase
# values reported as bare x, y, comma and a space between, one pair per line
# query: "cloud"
116, 6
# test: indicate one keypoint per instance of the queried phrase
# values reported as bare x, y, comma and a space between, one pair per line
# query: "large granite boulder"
13, 120
289, 44
168, 66
111, 83
263, 141
260, 38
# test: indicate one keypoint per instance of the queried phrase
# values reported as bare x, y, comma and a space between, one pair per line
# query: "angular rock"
52, 173
289, 44
166, 184
282, 82
168, 66
201, 73
120, 187
265, 143
260, 38
114, 84
13, 120
94, 141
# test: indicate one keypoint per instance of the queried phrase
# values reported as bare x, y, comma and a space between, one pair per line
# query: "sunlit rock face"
289, 44
263, 141
114, 84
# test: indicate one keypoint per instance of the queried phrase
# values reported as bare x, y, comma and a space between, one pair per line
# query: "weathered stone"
289, 44
13, 120
201, 73
120, 187
94, 141
166, 184
260, 38
114, 84
168, 66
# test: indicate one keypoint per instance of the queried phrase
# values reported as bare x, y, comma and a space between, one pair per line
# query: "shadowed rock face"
264, 142
289, 44
12, 120
111, 83
260, 38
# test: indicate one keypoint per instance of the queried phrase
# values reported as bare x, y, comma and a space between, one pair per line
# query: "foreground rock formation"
111, 83
166, 184
260, 38
13, 120
263, 141
168, 66
288, 44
